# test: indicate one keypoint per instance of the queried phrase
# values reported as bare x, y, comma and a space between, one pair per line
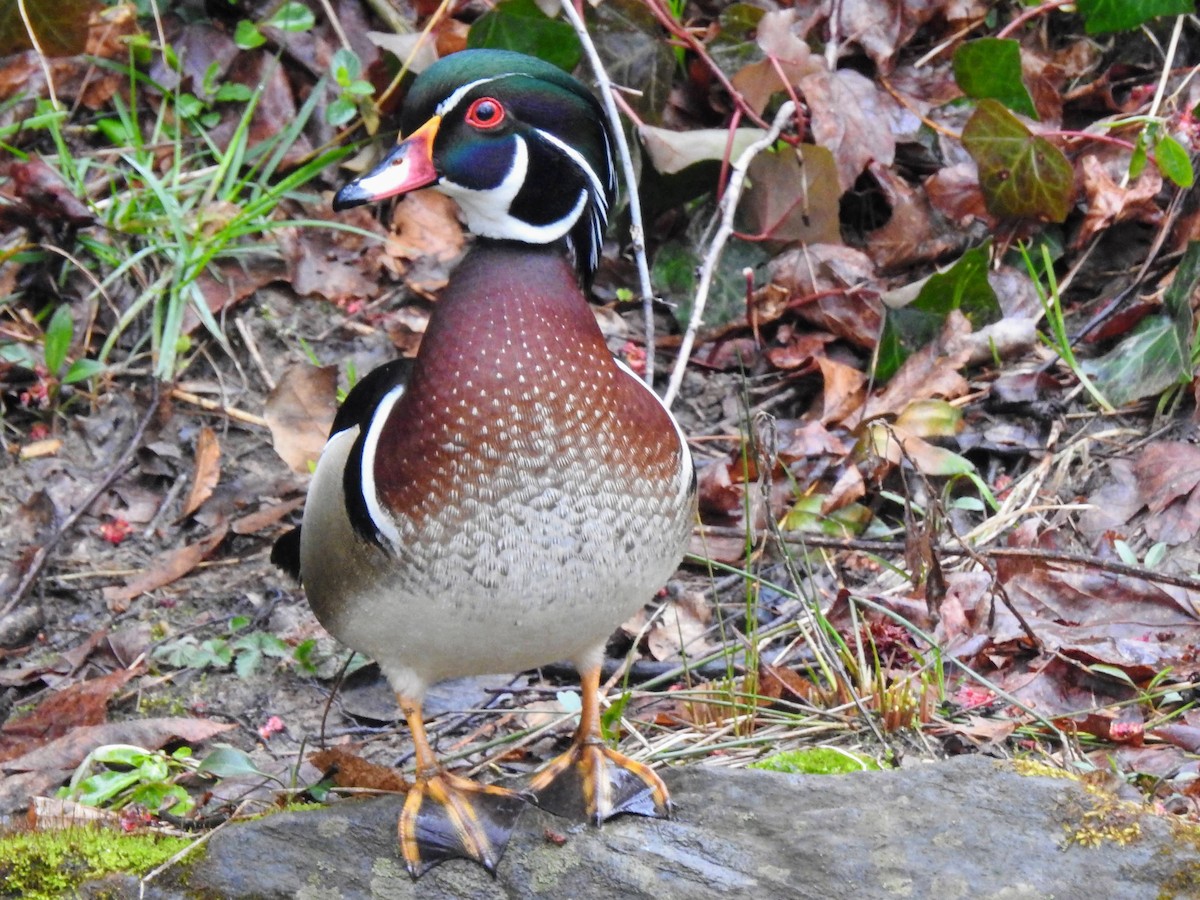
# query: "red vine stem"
1048, 6
682, 34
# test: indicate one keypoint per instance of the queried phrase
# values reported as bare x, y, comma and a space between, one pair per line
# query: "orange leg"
449, 817
592, 781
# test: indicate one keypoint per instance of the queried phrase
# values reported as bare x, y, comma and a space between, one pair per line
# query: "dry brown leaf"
792, 197
719, 549
833, 288
207, 471
845, 390
352, 771
265, 516
300, 412
785, 52
426, 238
165, 569
930, 372
805, 440
912, 234
955, 192
798, 349
84, 703
225, 283
682, 628
1108, 203
71, 749
851, 119
881, 29
849, 488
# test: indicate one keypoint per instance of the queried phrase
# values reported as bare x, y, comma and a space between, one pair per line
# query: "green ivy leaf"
629, 41
1137, 159
675, 269
228, 762
188, 105
991, 68
1022, 175
964, 286
1174, 162
104, 786
520, 25
1155, 355
251, 649
610, 719
1101, 16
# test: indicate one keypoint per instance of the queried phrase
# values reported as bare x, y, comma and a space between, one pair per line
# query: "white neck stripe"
379, 517
577, 158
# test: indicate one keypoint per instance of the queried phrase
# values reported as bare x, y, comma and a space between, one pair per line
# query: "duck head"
522, 147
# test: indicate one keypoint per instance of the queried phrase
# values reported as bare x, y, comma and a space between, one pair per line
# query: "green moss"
1099, 816
46, 864
816, 761
161, 704
1033, 767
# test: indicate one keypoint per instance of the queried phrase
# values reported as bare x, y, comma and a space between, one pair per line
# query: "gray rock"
969, 827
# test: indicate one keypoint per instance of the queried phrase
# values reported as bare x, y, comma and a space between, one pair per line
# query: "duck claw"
449, 817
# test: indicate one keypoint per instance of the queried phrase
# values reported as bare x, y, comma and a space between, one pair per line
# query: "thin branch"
729, 202
637, 233
1024, 17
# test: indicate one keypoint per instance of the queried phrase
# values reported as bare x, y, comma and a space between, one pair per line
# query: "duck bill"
407, 167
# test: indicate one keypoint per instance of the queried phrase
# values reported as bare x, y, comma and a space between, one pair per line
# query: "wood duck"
513, 494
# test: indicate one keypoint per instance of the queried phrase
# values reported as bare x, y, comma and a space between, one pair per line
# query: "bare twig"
637, 234
213, 406
724, 217
1024, 17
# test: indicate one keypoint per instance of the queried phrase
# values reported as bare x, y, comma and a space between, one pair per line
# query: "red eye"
486, 112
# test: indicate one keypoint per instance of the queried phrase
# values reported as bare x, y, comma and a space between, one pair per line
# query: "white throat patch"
488, 211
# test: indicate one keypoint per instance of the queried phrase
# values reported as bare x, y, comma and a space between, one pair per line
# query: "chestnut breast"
513, 366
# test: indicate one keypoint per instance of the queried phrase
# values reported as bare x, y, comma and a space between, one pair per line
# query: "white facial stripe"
685, 463
577, 158
379, 516
456, 98
487, 211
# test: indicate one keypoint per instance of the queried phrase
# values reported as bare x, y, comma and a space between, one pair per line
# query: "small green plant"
116, 775
291, 16
165, 217
355, 97
246, 652
1154, 556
